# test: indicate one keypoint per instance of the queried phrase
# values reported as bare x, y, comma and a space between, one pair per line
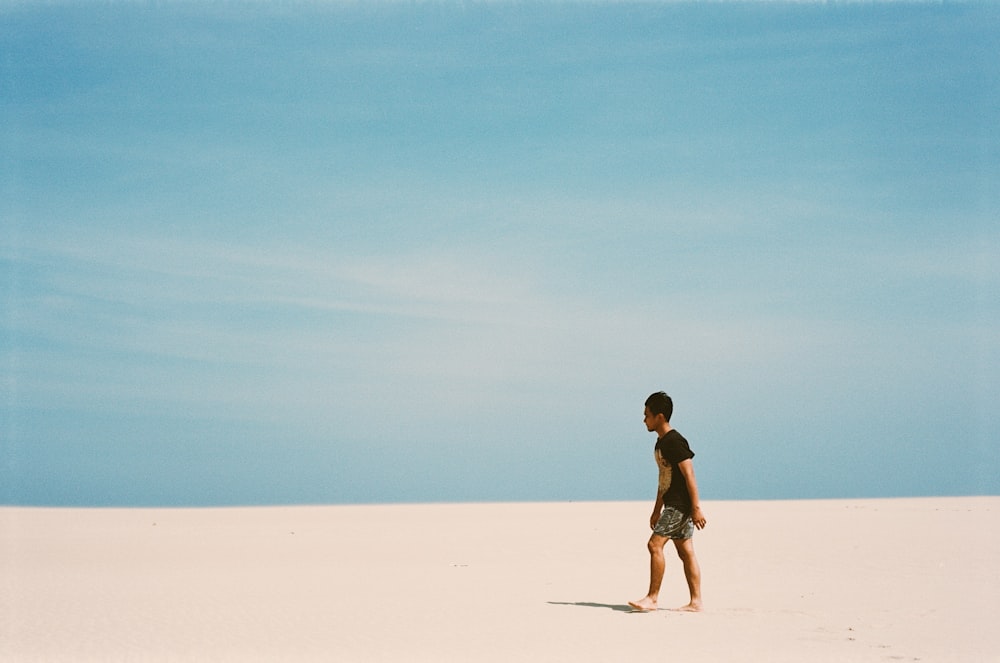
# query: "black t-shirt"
670, 450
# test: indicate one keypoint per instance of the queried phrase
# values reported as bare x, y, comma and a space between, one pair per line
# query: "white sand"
849, 580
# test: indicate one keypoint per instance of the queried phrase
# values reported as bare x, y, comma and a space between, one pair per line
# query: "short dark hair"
660, 403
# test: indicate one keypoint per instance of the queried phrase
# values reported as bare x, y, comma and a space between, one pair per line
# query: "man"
677, 510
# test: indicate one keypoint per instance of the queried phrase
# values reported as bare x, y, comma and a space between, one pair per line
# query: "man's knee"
656, 543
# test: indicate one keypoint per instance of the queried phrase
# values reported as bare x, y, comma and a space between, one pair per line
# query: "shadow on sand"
606, 606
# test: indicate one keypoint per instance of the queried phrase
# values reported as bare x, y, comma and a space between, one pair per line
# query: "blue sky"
397, 252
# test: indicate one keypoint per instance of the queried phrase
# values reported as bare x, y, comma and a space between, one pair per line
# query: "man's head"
660, 403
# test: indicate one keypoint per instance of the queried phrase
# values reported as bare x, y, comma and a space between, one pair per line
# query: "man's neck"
662, 430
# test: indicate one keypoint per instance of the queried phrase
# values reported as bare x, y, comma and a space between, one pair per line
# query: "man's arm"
657, 510
687, 469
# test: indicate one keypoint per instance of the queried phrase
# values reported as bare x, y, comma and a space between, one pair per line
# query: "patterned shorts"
674, 524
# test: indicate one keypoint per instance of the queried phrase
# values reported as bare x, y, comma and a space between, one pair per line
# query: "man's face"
652, 420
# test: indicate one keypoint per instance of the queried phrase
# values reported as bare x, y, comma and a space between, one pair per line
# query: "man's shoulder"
672, 436
674, 445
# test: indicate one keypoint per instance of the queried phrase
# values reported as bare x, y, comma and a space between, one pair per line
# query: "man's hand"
698, 518
653, 519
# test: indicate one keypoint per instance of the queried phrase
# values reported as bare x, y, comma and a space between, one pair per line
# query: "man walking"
677, 510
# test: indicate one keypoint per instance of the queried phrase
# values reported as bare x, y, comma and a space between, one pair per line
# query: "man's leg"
692, 572
656, 566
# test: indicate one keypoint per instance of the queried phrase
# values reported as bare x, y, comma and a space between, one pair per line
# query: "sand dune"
843, 580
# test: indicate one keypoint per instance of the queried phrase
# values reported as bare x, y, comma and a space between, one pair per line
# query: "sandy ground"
846, 580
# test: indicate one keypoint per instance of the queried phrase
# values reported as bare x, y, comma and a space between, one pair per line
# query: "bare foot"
644, 605
693, 606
